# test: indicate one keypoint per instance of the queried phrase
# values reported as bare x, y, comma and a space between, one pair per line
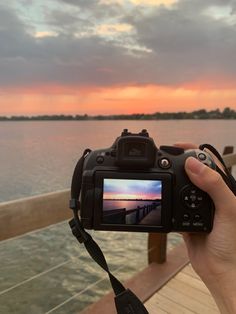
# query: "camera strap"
125, 300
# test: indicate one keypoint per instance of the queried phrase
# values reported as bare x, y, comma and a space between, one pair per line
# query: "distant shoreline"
201, 114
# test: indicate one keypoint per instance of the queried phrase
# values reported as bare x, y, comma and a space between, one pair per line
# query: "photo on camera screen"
132, 202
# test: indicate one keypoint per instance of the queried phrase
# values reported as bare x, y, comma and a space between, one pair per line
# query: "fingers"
186, 145
209, 181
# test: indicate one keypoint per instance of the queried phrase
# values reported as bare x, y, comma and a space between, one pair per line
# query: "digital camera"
135, 186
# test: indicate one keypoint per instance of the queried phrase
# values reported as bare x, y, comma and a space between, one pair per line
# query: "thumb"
209, 181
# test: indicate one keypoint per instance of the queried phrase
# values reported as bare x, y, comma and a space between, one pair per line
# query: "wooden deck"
184, 293
166, 285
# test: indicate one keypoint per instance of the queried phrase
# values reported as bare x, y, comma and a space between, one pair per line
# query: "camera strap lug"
74, 204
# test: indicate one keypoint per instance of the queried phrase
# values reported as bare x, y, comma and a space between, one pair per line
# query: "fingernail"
194, 165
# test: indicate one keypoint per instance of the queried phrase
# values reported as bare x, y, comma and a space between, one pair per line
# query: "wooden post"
228, 150
157, 243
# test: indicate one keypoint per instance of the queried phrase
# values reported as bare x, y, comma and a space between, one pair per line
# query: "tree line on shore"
226, 113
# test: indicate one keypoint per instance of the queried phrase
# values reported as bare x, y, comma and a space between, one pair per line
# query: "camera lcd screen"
132, 202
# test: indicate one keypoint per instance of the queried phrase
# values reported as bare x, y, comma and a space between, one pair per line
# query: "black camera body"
134, 186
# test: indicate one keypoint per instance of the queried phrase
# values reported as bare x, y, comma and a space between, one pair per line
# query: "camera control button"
198, 224
197, 217
192, 197
186, 198
164, 163
186, 217
202, 156
100, 159
186, 224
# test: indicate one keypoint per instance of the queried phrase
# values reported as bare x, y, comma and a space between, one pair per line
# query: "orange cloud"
114, 100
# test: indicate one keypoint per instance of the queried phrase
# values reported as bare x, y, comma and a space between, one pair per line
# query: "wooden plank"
27, 214
184, 294
146, 282
161, 303
185, 301
193, 282
191, 292
189, 271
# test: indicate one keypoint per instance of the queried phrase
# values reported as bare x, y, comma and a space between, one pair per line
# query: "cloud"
185, 45
45, 34
96, 9
82, 44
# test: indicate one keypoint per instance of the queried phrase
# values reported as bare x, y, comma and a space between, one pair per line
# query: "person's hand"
213, 255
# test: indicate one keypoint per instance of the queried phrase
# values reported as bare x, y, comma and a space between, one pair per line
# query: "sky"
116, 56
131, 189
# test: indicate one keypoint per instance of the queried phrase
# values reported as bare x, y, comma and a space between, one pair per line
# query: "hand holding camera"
135, 186
213, 256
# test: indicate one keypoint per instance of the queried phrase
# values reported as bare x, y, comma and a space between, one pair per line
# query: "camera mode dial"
205, 158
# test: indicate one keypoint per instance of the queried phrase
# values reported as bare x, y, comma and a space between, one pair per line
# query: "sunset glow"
126, 189
116, 100
110, 196
116, 56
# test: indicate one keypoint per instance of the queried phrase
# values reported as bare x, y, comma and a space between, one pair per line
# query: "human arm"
213, 256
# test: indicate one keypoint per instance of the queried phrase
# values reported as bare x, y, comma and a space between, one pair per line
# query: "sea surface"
46, 271
126, 204
38, 157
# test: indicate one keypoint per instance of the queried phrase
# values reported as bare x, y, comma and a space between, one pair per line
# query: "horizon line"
215, 112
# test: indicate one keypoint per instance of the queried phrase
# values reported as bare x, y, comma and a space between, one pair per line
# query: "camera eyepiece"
135, 150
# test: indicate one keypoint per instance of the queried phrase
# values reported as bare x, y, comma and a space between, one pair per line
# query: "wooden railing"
27, 214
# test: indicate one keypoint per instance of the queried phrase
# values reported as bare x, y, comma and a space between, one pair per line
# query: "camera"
136, 186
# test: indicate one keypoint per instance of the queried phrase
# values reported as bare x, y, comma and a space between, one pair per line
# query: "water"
46, 271
39, 157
